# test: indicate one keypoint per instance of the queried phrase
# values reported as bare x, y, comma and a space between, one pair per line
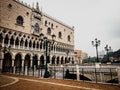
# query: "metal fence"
86, 73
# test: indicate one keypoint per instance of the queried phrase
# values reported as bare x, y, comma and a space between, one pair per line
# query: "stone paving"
35, 83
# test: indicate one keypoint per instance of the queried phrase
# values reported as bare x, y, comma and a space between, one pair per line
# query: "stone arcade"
20, 41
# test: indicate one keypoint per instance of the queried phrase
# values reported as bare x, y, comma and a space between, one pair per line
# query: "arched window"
1, 38
49, 31
68, 37
6, 39
46, 23
52, 25
19, 20
37, 28
60, 35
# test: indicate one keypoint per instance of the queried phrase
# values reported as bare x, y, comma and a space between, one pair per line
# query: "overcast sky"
91, 19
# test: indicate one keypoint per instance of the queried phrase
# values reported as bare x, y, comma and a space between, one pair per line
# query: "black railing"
103, 75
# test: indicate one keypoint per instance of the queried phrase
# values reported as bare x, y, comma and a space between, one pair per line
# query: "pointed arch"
58, 60
65, 60
26, 43
17, 41
12, 40
62, 61
53, 60
6, 39
34, 44
42, 61
21, 42
35, 61
1, 38
18, 61
27, 60
7, 62
30, 43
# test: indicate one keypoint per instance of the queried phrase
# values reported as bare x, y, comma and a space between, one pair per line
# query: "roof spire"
33, 5
37, 6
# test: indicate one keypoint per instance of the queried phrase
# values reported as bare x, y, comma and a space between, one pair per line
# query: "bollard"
26, 70
77, 73
118, 70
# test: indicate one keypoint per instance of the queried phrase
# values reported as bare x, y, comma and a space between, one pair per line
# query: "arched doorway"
18, 62
7, 62
27, 61
35, 61
42, 61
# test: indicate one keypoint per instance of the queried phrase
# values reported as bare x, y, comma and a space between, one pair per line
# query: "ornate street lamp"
107, 49
95, 44
48, 45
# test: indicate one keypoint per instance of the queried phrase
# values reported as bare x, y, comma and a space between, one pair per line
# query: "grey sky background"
91, 19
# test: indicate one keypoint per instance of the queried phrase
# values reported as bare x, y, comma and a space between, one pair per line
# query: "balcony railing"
31, 49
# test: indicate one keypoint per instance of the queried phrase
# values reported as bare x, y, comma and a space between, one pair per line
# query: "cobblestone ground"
35, 83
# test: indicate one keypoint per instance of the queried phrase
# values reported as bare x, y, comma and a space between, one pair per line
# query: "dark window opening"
37, 28
46, 23
68, 37
60, 35
19, 20
49, 31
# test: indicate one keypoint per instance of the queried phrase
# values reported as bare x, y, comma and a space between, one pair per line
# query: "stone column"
42, 46
77, 73
38, 62
23, 44
13, 66
28, 45
118, 70
22, 65
13, 62
9, 42
1, 61
35, 46
3, 42
19, 44
32, 45
31, 63
26, 70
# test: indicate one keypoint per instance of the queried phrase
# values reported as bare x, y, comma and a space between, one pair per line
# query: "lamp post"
4, 50
107, 49
95, 44
48, 45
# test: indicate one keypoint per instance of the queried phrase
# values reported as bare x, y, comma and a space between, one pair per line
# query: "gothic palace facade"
20, 28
